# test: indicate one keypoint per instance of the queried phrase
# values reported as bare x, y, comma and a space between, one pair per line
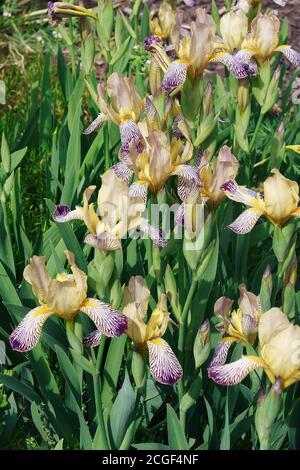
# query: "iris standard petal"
109, 321
27, 333
234, 373
164, 365
246, 221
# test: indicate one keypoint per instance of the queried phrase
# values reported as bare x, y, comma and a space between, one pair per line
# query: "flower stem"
181, 337
258, 124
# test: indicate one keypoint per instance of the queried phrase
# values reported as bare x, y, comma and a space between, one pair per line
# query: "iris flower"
161, 158
279, 356
195, 52
239, 325
279, 202
117, 214
57, 10
263, 41
63, 297
124, 108
164, 365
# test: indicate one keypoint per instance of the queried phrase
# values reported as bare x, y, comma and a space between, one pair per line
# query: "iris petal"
220, 353
246, 221
109, 321
234, 373
63, 213
27, 333
164, 365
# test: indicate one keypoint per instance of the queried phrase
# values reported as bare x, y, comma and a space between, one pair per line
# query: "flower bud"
268, 407
138, 369
266, 289
171, 291
243, 94
201, 348
116, 294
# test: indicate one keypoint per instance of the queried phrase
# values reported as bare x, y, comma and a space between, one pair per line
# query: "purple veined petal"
95, 125
291, 55
130, 132
164, 365
105, 241
108, 321
239, 193
93, 339
63, 213
174, 77
51, 12
156, 234
246, 57
179, 216
238, 68
245, 222
183, 187
234, 373
139, 190
220, 353
123, 171
27, 333
189, 173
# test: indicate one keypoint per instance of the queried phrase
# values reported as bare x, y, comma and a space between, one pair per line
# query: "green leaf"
121, 412
5, 155
69, 373
176, 436
24, 390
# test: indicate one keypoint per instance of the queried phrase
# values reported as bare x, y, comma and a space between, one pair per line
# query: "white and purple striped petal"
123, 171
188, 173
104, 241
164, 365
179, 216
174, 77
238, 68
27, 333
95, 125
234, 373
139, 190
239, 193
220, 353
63, 213
93, 339
108, 321
245, 222
131, 137
291, 55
